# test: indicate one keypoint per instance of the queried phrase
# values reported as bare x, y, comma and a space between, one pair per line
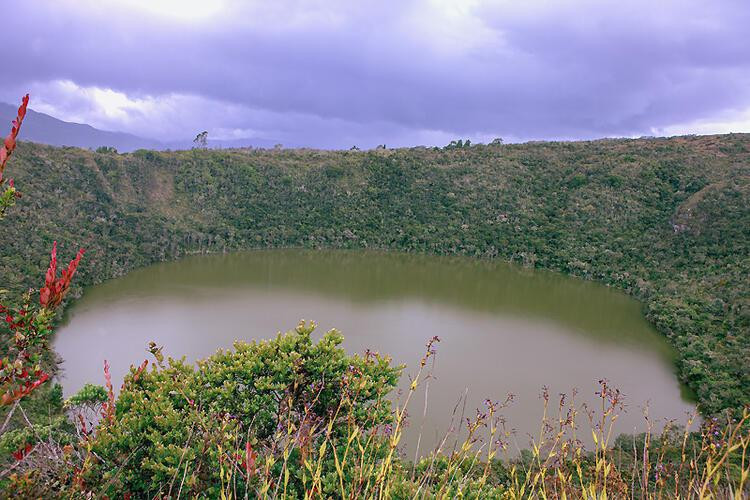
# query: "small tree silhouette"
201, 140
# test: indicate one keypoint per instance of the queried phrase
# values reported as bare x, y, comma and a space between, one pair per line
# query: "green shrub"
90, 394
179, 427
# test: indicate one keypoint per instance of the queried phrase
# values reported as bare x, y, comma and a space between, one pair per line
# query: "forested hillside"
667, 220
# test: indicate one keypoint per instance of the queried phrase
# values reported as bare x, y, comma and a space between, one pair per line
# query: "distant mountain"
42, 128
45, 129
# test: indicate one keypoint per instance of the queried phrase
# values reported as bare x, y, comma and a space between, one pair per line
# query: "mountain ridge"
46, 129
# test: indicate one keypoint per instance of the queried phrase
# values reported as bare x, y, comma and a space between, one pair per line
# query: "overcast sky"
333, 73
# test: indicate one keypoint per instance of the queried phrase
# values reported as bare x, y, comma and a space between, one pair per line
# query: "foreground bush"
295, 418
282, 417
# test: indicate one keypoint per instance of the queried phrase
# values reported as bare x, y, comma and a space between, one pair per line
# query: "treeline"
667, 220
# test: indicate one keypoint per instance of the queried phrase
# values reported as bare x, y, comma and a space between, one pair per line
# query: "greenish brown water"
503, 329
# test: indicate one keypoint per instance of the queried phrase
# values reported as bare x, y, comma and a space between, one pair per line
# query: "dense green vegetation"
667, 220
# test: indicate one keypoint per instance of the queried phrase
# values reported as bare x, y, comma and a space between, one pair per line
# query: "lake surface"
502, 329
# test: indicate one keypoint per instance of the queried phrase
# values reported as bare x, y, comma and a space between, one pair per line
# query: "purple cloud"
333, 74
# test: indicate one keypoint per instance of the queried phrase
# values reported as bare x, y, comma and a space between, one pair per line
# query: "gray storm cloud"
332, 74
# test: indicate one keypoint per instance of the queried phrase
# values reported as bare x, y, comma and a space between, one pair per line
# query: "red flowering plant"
30, 327
9, 194
25, 330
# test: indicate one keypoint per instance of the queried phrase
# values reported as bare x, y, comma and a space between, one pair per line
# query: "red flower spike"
139, 371
55, 288
248, 460
108, 408
10, 141
9, 144
84, 429
250, 457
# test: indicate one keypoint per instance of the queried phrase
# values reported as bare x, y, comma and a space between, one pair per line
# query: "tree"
201, 140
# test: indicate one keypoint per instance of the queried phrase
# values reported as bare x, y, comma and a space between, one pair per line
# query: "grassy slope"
668, 220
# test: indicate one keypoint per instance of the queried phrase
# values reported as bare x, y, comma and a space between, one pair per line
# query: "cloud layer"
336, 73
